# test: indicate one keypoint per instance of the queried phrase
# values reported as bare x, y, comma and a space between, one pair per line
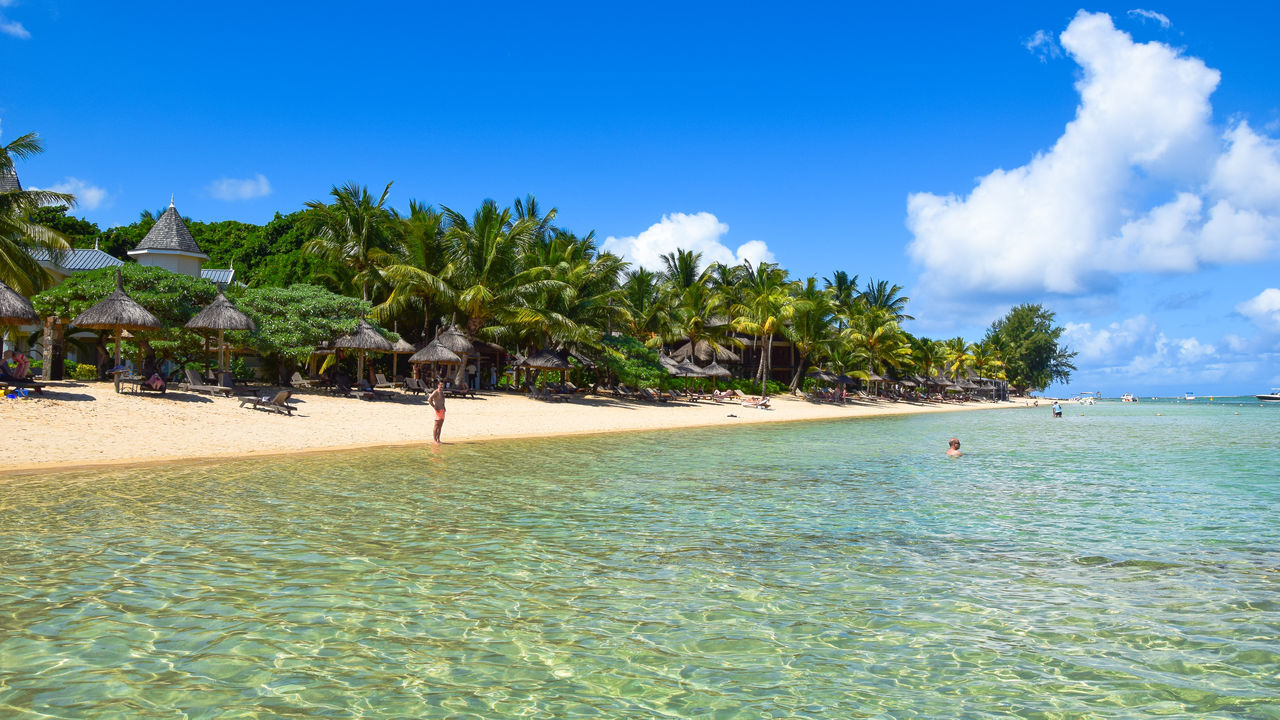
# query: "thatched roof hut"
546, 360
401, 347
117, 311
688, 369
704, 351
15, 309
716, 370
364, 337
221, 314
435, 352
455, 340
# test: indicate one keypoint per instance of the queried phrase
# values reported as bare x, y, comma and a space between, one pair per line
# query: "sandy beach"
78, 425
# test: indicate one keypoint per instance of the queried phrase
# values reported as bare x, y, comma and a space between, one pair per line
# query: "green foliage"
628, 360
1028, 342
293, 320
79, 232
82, 371
171, 297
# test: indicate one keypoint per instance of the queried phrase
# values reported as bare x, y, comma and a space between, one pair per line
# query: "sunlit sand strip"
78, 426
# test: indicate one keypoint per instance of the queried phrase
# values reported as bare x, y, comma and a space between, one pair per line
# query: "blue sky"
1137, 192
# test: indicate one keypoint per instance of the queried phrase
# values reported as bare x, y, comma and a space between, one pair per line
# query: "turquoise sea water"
1113, 564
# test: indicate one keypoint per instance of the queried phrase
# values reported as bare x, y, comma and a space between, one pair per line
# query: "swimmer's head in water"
954, 443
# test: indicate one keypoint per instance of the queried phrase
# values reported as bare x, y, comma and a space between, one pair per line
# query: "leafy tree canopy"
632, 363
1028, 342
293, 320
171, 297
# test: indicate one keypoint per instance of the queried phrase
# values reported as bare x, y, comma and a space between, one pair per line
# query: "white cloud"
1043, 46
1082, 212
13, 28
88, 197
699, 232
1117, 342
1151, 15
231, 189
1263, 309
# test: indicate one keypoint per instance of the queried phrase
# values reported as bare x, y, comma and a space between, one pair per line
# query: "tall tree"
414, 272
354, 230
1030, 344
20, 234
810, 326
764, 307
680, 269
881, 294
844, 295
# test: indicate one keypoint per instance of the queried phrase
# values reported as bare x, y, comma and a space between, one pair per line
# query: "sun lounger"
462, 392
383, 383
651, 395
414, 385
298, 381
278, 403
196, 384
374, 393
9, 382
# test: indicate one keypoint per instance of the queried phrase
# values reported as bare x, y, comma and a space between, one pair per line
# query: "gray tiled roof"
169, 233
9, 180
79, 259
218, 276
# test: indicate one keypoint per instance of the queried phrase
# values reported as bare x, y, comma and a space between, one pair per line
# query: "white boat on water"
1128, 397
1085, 398
1273, 396
1189, 396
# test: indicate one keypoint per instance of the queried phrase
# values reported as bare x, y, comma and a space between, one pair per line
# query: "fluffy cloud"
1136, 351
1151, 15
1074, 216
1263, 309
231, 189
88, 197
699, 232
1109, 344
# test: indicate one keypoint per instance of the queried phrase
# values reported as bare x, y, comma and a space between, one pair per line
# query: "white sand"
88, 424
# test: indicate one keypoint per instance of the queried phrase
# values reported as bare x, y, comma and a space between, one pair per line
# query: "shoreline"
223, 431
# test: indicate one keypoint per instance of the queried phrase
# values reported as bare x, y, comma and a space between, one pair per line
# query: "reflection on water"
1112, 564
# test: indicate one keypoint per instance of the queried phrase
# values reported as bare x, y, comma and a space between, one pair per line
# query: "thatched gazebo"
117, 312
457, 341
15, 309
398, 348
435, 353
221, 315
363, 339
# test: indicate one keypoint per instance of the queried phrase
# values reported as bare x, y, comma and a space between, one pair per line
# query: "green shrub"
83, 371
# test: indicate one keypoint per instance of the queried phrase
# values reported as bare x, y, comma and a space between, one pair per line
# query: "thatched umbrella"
221, 315
117, 312
364, 338
704, 351
457, 341
398, 348
546, 360
435, 353
15, 309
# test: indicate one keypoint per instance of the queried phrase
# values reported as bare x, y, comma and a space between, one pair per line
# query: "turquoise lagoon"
1117, 563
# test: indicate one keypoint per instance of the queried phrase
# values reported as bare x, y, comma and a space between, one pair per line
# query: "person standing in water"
436, 399
953, 448
1057, 409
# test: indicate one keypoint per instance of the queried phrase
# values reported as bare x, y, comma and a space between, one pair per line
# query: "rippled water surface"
1115, 564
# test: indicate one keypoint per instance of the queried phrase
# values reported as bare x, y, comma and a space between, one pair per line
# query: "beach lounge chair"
298, 381
8, 382
382, 382
365, 387
414, 385
651, 395
196, 384
278, 403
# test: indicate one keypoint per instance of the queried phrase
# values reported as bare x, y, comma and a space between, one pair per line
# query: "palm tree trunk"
767, 364
795, 379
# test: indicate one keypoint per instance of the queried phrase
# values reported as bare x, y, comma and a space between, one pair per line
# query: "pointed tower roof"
169, 234
9, 180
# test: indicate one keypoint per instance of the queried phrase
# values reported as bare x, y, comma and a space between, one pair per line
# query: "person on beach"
953, 447
1057, 409
436, 400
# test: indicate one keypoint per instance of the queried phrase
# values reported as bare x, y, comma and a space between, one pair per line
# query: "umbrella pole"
395, 360
115, 375
222, 365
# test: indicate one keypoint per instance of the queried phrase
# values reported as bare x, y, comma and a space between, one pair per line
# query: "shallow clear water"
1115, 563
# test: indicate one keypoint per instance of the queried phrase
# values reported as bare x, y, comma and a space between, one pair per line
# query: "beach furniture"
196, 384
9, 382
414, 385
460, 391
651, 395
365, 387
298, 381
278, 403
382, 382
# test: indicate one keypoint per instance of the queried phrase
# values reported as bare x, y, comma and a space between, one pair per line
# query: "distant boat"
1273, 396
1189, 396
1085, 398
1128, 397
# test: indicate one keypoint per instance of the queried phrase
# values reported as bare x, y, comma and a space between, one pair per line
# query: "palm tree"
486, 276
649, 307
928, 356
844, 295
414, 273
354, 231
885, 296
764, 307
810, 327
680, 269
19, 236
959, 359
875, 336
698, 316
